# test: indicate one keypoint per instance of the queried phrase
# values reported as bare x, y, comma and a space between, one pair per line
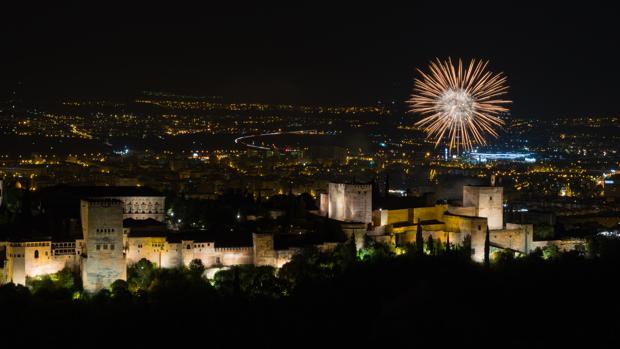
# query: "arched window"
36, 253
188, 247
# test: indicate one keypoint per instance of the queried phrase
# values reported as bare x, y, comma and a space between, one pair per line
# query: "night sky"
561, 59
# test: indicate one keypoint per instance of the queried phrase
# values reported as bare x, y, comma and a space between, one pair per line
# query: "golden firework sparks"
460, 103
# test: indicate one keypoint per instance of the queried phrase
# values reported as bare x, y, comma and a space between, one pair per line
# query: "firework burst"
459, 102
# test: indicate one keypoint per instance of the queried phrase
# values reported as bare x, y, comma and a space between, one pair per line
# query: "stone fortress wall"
107, 248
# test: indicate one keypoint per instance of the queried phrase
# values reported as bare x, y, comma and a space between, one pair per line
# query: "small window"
98, 247
111, 246
479, 227
490, 198
188, 247
36, 253
105, 246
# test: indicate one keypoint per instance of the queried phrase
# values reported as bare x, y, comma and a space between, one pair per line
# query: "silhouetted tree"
551, 252
419, 240
140, 275
252, 282
487, 247
119, 290
196, 268
431, 245
467, 246
503, 258
345, 255
304, 267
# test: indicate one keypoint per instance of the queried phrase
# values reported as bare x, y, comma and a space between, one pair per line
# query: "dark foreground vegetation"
373, 299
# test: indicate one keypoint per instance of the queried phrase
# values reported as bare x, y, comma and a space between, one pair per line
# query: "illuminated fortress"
115, 235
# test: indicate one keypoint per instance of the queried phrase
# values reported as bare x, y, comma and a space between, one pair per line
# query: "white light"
457, 103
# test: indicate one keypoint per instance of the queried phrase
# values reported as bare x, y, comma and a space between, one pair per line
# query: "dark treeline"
375, 298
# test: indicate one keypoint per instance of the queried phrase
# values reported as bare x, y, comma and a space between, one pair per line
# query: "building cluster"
119, 226
396, 219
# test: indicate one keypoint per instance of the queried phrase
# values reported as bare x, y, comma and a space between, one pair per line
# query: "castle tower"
264, 252
350, 202
102, 227
488, 203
